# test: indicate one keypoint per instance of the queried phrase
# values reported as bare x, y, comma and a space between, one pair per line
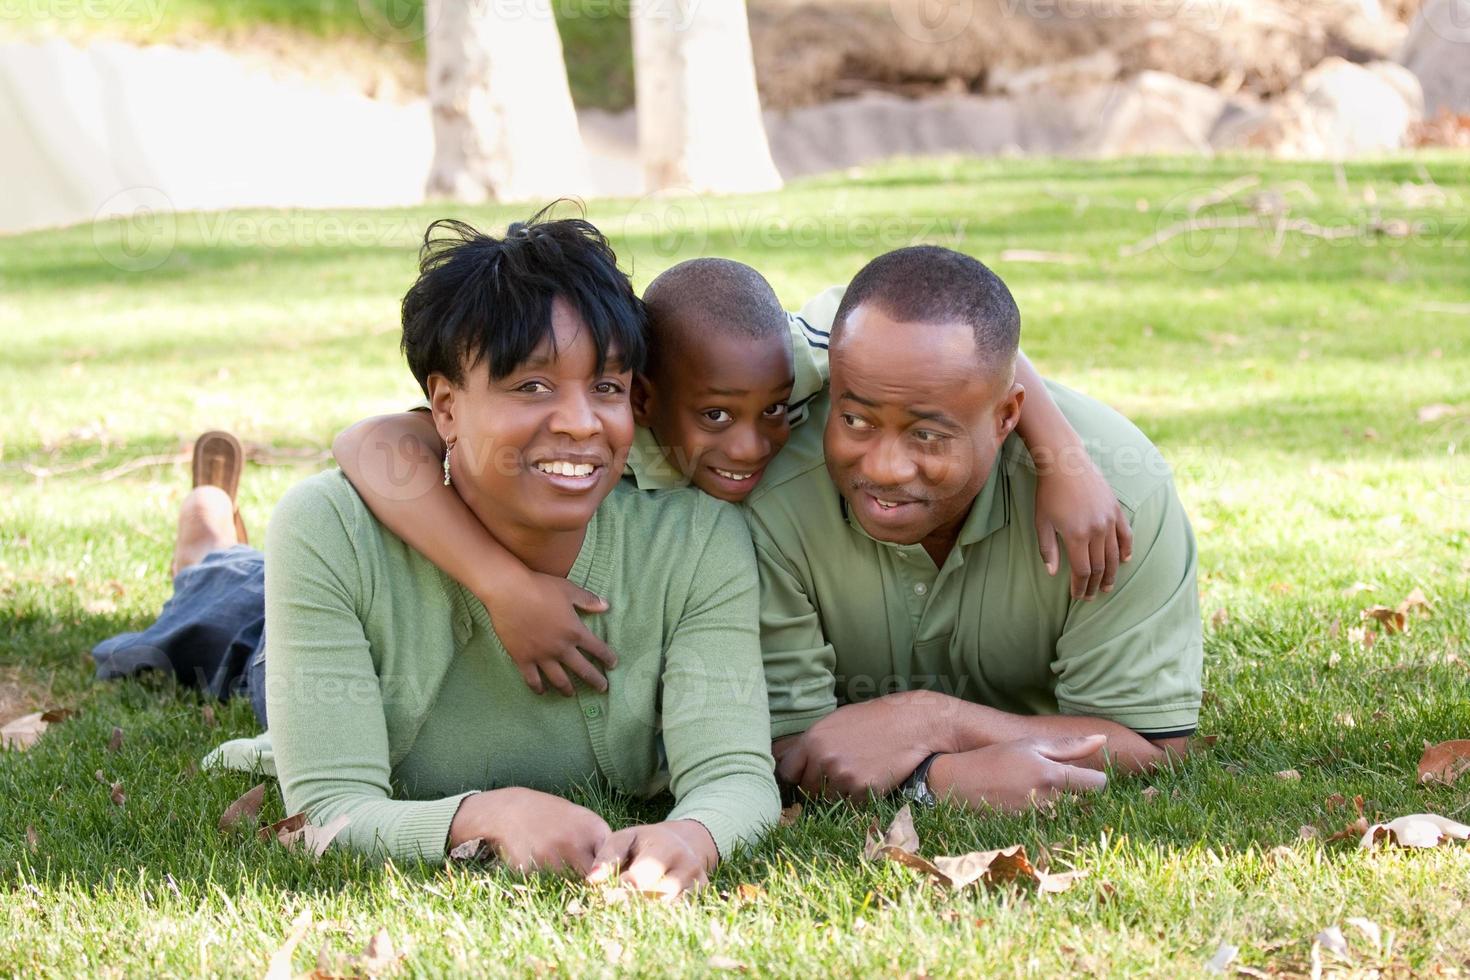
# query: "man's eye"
534, 387
718, 415
853, 422
926, 435
776, 411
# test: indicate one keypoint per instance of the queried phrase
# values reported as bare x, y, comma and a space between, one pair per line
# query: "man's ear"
442, 405
641, 396
1008, 412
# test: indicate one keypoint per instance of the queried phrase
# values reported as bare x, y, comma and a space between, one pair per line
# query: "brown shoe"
218, 462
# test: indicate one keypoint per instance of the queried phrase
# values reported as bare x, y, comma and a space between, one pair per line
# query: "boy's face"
539, 449
718, 408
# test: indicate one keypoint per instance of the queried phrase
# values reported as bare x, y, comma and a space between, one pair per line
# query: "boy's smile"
718, 408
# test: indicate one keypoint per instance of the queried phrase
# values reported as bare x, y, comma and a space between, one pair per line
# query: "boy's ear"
441, 405
641, 397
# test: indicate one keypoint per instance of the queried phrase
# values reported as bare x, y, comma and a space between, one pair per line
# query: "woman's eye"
609, 388
534, 387
776, 411
718, 415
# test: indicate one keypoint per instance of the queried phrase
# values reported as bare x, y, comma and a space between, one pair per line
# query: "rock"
1338, 109
1437, 51
1155, 113
1097, 68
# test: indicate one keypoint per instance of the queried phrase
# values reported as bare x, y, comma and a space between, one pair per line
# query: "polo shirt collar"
648, 466
990, 511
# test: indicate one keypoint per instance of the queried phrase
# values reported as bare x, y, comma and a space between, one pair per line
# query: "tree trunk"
699, 115
504, 125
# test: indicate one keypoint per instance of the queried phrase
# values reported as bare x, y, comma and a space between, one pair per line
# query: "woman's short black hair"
480, 298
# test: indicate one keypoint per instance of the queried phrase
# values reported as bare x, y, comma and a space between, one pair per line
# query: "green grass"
1284, 386
596, 38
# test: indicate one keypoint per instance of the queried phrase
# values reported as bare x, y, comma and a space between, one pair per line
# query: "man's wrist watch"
916, 787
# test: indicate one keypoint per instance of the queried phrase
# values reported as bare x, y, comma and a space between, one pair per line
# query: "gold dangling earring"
448, 448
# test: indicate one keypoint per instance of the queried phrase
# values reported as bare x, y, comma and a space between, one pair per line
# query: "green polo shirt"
810, 326
845, 618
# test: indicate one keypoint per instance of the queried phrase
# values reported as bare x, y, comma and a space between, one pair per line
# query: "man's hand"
868, 747
536, 620
662, 859
1075, 501
531, 831
1012, 776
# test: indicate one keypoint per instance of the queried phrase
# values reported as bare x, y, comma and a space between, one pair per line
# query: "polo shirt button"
592, 711
920, 588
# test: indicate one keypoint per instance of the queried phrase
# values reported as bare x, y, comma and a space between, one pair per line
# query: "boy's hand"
662, 859
536, 620
1074, 500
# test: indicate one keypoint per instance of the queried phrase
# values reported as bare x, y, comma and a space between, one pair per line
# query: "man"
910, 629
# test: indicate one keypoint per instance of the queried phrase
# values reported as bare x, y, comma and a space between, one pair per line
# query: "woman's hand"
1012, 776
1075, 501
662, 859
535, 618
531, 831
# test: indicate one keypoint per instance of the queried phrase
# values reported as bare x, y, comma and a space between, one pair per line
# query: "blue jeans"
210, 635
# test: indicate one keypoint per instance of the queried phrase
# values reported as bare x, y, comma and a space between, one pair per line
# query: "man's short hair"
484, 299
715, 295
930, 284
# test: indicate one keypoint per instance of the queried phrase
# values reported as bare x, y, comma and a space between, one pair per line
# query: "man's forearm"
959, 726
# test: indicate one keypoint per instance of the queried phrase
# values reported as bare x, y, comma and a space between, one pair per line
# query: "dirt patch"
20, 694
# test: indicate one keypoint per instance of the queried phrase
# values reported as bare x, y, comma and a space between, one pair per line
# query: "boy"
730, 372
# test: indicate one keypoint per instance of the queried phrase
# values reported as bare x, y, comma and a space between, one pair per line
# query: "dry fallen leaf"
1220, 618
1335, 800
1289, 775
1445, 762
246, 808
1353, 831
1416, 601
1362, 636
746, 892
33, 840
115, 743
1392, 620
207, 714
118, 797
1307, 832
1415, 830
315, 840
1150, 793
379, 957
279, 967
991, 867
789, 815
1059, 882
1435, 412
900, 836
471, 850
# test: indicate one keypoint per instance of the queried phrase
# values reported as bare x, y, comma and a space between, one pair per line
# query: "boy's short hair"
715, 295
930, 284
480, 298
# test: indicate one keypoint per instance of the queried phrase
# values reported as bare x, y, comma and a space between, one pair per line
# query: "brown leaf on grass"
899, 836
991, 867
746, 892
1445, 762
33, 840
22, 733
246, 808
1059, 882
471, 850
115, 743
279, 967
379, 957
1392, 620
1362, 636
206, 713
1353, 831
283, 827
1307, 832
1150, 793
1416, 602
789, 815
1220, 618
1415, 830
308, 837
118, 796
1335, 800
1289, 775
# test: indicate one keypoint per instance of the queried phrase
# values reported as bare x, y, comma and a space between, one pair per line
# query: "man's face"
541, 447
916, 422
718, 410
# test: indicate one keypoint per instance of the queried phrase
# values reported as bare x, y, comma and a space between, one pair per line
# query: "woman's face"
540, 448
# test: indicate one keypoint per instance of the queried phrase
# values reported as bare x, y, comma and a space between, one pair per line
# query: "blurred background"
116, 107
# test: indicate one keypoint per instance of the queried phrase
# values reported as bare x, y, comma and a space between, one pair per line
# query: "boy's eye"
534, 387
776, 411
718, 415
853, 422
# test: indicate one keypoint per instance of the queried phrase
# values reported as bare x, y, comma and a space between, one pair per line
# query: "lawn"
1312, 392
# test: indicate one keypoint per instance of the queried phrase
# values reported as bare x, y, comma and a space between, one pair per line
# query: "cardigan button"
592, 711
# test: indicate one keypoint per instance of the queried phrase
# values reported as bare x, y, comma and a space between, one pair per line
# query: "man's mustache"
891, 492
